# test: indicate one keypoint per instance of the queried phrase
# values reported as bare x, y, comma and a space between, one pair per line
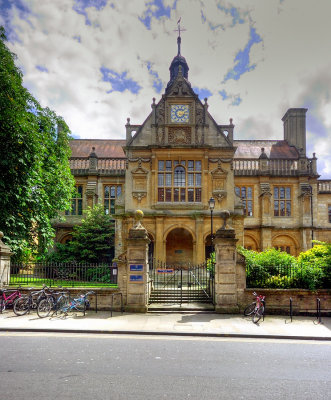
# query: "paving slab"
172, 323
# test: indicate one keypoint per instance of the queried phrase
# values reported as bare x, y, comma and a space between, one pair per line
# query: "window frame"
76, 202
183, 186
329, 213
245, 199
279, 199
109, 201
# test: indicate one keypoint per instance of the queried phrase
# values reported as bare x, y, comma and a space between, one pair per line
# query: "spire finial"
179, 30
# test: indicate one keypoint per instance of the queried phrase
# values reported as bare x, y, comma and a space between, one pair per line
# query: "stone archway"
179, 247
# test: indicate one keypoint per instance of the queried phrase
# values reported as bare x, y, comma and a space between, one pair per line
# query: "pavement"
204, 324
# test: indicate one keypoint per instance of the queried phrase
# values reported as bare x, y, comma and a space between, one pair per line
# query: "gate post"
226, 288
137, 267
5, 255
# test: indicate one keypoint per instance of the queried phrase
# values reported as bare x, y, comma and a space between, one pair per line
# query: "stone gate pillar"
137, 267
5, 255
229, 275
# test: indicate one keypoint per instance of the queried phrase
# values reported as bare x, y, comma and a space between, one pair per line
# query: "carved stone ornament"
91, 188
139, 177
180, 88
199, 114
179, 135
265, 189
219, 194
160, 113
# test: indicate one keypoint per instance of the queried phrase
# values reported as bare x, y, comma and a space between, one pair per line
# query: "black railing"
297, 276
64, 274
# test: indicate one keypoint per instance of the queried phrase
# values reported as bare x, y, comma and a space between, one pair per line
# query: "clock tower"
176, 161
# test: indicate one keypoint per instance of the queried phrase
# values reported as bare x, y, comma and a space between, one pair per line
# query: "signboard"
136, 278
165, 271
136, 267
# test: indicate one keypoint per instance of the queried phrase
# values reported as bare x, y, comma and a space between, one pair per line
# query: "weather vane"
179, 30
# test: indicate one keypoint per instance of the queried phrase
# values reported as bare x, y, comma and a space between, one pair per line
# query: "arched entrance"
179, 247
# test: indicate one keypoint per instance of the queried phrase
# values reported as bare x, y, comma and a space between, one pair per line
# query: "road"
42, 366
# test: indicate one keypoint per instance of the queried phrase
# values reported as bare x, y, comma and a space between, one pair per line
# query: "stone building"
180, 157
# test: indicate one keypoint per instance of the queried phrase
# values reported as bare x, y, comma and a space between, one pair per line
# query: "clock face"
179, 113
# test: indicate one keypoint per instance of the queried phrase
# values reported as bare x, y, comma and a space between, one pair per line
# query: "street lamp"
211, 203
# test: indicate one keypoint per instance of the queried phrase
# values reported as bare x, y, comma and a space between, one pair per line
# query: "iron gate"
177, 284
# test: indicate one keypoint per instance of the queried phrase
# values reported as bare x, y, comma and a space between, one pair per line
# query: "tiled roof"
274, 149
106, 148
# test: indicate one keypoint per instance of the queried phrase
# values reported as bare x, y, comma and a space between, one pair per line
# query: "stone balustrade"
103, 166
324, 186
276, 167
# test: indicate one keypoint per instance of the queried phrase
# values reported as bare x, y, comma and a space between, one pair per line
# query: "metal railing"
64, 274
296, 276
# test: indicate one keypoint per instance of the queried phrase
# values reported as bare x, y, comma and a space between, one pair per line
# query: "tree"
35, 178
93, 240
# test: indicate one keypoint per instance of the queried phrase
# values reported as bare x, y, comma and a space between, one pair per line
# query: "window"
282, 201
329, 210
287, 249
76, 202
246, 195
111, 193
179, 181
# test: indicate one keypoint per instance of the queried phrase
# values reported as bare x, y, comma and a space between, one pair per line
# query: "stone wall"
278, 300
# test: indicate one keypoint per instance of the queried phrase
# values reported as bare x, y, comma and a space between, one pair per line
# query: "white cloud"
292, 62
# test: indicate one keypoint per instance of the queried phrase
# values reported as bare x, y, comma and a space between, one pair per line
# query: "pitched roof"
107, 148
274, 149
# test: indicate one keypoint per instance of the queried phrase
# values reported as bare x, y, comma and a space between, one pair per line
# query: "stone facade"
172, 164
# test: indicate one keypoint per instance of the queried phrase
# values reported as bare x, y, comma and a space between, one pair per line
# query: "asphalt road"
44, 366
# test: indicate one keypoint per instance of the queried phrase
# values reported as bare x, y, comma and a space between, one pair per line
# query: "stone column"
5, 255
228, 274
137, 267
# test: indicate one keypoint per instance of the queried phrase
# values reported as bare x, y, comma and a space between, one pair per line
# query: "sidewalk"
162, 323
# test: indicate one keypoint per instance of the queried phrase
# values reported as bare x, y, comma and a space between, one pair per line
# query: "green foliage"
316, 265
275, 269
211, 263
93, 240
35, 179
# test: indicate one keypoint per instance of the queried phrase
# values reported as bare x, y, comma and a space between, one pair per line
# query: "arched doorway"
179, 247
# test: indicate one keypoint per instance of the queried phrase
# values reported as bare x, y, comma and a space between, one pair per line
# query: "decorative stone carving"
199, 114
139, 178
218, 182
160, 113
179, 135
265, 194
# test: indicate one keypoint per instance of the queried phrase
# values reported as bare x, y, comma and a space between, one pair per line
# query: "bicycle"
24, 304
255, 309
8, 296
54, 302
79, 304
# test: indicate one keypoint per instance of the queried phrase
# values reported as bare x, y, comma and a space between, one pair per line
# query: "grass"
39, 282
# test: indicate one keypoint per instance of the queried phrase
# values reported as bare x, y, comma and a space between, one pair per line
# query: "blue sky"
97, 62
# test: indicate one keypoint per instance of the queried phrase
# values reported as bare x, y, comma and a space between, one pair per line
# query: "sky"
98, 62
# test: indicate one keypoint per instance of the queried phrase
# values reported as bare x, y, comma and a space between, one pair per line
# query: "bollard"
291, 308
318, 310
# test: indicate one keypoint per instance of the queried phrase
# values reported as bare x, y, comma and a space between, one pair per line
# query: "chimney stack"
295, 128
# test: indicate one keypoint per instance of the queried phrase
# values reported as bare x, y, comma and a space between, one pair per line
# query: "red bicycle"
8, 296
255, 309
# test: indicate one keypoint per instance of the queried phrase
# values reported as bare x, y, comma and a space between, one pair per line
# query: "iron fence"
295, 276
64, 274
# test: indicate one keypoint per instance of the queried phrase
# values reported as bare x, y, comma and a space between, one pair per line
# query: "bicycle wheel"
44, 308
2, 305
250, 309
21, 305
258, 314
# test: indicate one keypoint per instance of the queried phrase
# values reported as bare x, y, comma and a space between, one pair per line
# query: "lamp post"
211, 203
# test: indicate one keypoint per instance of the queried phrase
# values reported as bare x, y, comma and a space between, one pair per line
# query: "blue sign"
136, 278
165, 271
136, 267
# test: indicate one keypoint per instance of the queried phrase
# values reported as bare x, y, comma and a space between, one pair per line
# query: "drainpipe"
312, 214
